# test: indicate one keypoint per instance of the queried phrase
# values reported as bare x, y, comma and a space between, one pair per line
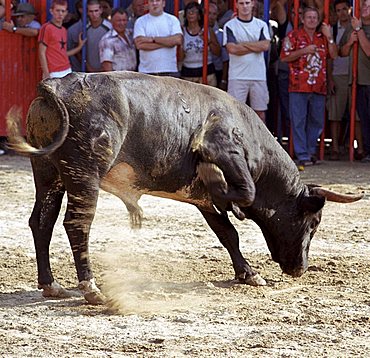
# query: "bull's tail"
13, 119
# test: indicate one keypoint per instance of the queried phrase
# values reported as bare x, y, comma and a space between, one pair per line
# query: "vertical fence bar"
295, 26
352, 123
322, 137
205, 42
84, 33
176, 8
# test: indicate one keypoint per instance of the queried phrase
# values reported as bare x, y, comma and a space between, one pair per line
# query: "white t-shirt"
163, 59
252, 65
34, 25
193, 48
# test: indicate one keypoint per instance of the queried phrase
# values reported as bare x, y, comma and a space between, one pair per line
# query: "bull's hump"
122, 181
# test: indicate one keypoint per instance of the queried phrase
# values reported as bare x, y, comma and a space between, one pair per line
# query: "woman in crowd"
191, 53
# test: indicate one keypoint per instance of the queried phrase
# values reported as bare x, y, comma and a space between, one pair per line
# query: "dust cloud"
131, 288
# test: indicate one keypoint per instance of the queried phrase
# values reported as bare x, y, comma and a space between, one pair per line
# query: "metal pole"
7, 11
356, 12
176, 13
296, 14
176, 8
295, 26
84, 31
205, 42
322, 137
266, 11
266, 17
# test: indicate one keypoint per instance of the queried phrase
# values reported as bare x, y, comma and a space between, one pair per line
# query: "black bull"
133, 134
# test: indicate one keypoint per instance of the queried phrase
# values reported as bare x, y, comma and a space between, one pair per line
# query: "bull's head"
262, 183
290, 227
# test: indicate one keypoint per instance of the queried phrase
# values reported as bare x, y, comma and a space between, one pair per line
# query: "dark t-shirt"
363, 77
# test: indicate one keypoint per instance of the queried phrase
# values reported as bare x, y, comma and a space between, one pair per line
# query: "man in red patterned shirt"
306, 50
53, 52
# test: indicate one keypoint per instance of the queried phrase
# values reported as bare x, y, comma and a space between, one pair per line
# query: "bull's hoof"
255, 280
136, 219
95, 298
91, 293
55, 290
237, 212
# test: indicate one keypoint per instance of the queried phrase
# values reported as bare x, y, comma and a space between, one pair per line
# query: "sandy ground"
171, 282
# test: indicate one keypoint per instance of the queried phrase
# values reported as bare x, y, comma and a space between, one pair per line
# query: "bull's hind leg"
82, 198
229, 238
49, 196
118, 182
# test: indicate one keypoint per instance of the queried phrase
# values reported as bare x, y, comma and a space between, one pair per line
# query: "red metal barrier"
356, 10
322, 137
20, 70
205, 40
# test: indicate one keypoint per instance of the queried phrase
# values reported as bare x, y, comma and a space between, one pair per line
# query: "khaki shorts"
337, 102
211, 80
257, 91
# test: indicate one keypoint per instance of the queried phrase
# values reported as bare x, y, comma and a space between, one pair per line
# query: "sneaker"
302, 164
306, 163
315, 160
366, 159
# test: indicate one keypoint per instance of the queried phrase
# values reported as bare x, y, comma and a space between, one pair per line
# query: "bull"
133, 134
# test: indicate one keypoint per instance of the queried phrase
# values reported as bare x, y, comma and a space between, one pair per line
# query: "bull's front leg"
229, 238
221, 194
77, 222
227, 179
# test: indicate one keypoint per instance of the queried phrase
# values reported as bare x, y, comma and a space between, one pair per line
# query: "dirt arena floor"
171, 282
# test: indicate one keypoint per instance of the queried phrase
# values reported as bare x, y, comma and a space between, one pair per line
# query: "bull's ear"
312, 203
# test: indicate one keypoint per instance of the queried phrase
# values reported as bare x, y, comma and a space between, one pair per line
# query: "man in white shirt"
156, 36
246, 38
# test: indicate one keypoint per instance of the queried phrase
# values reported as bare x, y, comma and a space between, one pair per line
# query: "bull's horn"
336, 197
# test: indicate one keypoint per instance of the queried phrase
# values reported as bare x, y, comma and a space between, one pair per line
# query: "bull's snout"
294, 271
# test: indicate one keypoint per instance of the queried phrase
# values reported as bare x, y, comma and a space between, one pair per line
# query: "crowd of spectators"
300, 77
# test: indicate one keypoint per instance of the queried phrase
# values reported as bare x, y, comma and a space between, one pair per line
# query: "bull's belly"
122, 181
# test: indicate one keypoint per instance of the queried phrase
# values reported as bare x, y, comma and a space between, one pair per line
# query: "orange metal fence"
19, 68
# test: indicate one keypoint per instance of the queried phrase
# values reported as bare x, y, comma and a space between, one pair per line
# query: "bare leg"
335, 128
358, 133
262, 115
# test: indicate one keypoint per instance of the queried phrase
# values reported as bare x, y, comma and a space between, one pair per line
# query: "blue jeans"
363, 110
307, 112
283, 83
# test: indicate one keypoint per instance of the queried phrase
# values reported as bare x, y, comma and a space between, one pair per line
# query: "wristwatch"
14, 28
358, 28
